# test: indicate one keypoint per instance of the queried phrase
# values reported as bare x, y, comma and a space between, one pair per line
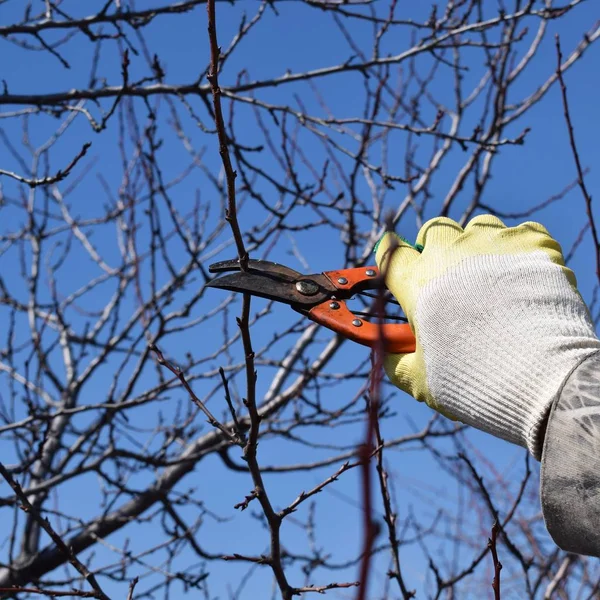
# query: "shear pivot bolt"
370, 273
357, 322
342, 280
307, 288
334, 305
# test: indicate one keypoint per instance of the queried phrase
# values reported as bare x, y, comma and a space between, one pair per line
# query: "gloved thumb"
394, 258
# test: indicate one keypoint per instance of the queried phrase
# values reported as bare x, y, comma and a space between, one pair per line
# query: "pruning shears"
321, 297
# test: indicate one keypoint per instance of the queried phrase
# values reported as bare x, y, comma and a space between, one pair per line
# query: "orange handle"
337, 316
361, 277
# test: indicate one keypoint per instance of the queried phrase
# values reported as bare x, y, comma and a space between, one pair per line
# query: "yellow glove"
498, 320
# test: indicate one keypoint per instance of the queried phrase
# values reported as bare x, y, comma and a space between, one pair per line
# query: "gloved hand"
498, 320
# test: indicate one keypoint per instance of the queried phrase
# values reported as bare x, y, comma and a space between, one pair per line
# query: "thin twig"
494, 511
52, 593
230, 174
497, 564
246, 501
184, 382
321, 589
132, 585
561, 575
580, 171
28, 508
58, 176
238, 428
303, 496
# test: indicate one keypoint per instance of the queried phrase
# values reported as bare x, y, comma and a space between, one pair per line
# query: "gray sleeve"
570, 477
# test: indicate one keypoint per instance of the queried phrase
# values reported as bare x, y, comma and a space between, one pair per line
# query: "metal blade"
273, 286
260, 266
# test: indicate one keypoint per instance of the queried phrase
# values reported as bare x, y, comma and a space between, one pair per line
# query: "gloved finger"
438, 233
532, 236
488, 225
537, 235
533, 227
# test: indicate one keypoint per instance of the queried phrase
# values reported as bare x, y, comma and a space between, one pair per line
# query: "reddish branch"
378, 355
365, 451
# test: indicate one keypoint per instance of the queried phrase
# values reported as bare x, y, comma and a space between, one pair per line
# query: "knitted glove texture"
498, 320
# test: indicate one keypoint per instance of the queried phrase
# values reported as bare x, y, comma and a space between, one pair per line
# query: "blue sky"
296, 39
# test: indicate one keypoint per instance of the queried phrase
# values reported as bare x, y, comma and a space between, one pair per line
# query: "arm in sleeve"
570, 476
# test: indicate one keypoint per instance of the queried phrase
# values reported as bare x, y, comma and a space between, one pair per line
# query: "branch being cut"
250, 449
